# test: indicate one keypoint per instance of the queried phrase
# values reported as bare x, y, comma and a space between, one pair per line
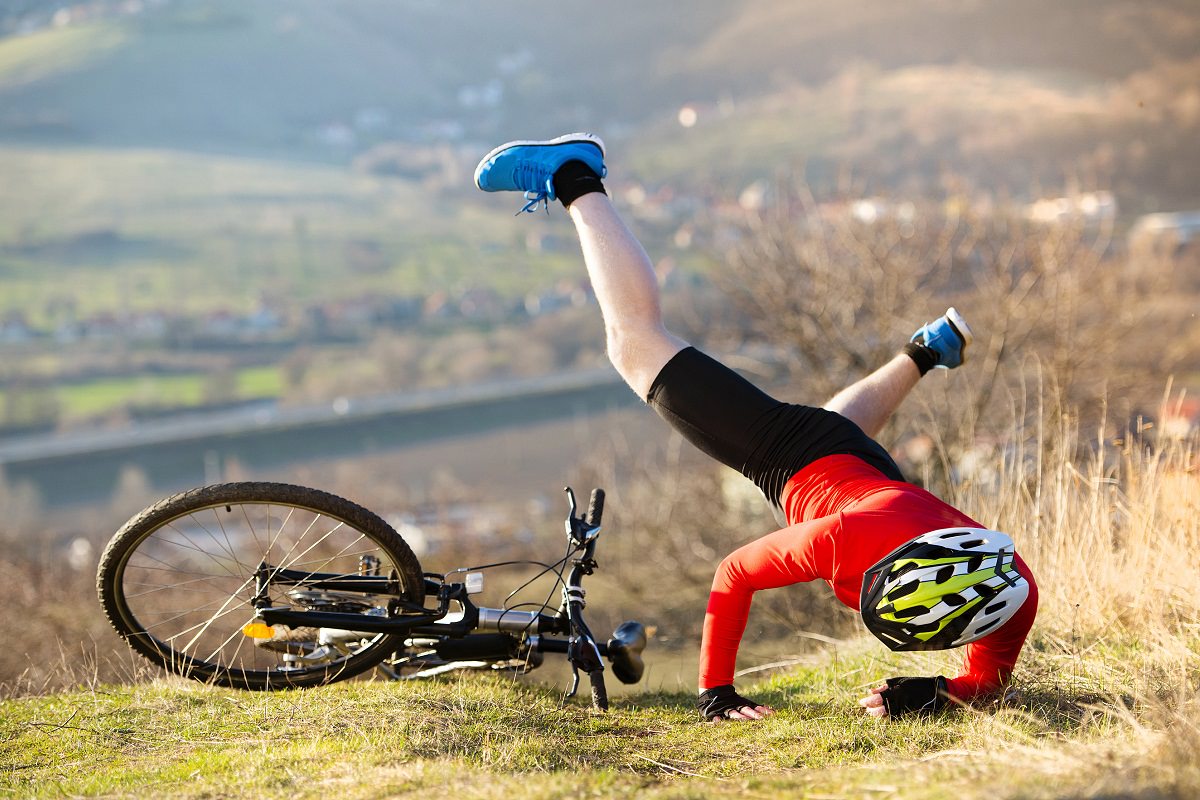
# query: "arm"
988, 663
778, 559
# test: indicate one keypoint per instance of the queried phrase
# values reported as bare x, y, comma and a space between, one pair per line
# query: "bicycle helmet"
943, 589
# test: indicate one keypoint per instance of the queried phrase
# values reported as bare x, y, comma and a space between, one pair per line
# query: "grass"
481, 735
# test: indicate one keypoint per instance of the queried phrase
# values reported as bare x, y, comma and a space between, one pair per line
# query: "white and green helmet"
943, 589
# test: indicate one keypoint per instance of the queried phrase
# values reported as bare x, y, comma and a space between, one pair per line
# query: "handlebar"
583, 651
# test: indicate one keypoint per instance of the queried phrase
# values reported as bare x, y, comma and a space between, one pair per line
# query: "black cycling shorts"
741, 426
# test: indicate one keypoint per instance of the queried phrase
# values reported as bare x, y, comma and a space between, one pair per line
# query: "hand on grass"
745, 712
873, 702
907, 695
722, 702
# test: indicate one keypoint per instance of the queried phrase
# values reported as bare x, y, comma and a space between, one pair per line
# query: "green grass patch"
102, 396
97, 397
483, 736
258, 382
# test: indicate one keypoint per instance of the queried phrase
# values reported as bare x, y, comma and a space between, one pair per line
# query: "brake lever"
574, 681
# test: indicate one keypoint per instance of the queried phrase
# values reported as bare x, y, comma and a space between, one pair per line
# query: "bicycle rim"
178, 582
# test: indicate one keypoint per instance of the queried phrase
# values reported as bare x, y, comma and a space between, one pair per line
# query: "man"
923, 574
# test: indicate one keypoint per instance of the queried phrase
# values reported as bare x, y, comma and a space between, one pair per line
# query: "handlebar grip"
595, 507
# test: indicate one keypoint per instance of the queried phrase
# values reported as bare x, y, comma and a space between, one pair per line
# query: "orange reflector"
259, 630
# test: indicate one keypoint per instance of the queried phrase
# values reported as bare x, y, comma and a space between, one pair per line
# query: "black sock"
573, 180
926, 358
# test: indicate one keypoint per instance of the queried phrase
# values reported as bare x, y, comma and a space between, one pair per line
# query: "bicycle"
265, 586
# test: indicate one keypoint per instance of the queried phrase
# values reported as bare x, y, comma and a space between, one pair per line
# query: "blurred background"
240, 240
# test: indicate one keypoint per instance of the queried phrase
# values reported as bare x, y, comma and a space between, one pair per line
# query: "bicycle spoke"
174, 587
284, 562
167, 567
180, 613
224, 533
335, 555
186, 588
237, 632
203, 552
228, 549
220, 613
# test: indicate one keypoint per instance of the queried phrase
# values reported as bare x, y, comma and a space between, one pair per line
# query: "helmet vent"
953, 599
994, 607
944, 574
901, 591
973, 562
982, 628
909, 613
972, 543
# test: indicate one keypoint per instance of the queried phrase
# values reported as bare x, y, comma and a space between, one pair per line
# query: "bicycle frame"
477, 626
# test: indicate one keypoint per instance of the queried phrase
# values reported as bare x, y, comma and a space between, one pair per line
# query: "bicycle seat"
625, 651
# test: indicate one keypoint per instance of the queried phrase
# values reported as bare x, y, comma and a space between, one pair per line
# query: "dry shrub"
1112, 530
57, 636
834, 297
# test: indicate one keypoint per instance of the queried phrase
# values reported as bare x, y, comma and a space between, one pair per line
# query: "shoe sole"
960, 325
567, 138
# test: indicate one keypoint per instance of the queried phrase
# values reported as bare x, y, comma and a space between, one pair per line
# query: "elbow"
729, 576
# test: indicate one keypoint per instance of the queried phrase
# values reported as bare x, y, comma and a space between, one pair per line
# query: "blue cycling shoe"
947, 336
529, 167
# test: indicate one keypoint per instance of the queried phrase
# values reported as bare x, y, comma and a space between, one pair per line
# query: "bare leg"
638, 343
870, 402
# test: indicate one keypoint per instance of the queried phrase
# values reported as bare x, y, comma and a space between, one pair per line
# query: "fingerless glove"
715, 702
915, 695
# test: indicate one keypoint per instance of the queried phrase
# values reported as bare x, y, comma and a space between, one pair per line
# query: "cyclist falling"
924, 575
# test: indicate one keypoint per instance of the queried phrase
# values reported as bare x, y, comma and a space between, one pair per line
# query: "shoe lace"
528, 173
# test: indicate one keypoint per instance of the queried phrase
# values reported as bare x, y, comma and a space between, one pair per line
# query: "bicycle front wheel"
178, 581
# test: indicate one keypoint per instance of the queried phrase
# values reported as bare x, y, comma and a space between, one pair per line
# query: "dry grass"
1112, 527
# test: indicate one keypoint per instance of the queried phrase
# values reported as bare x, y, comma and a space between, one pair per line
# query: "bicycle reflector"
257, 629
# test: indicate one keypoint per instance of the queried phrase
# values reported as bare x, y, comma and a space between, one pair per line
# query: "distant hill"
1018, 96
314, 78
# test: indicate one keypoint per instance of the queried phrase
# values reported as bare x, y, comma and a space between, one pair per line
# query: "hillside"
486, 737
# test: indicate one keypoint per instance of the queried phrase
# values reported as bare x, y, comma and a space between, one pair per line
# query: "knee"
639, 353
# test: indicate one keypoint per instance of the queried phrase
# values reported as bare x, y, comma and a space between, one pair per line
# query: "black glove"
714, 702
915, 695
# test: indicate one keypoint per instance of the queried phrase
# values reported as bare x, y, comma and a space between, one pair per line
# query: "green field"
103, 396
127, 231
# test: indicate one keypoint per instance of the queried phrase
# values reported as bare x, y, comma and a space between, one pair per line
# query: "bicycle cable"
560, 565
527, 561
